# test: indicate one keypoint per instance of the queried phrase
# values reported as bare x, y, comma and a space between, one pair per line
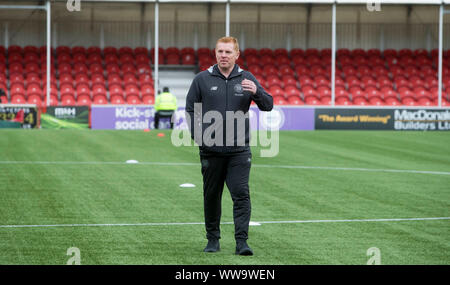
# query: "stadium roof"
360, 2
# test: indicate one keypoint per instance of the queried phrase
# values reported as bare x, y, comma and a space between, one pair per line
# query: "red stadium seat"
111, 58
357, 92
424, 101
32, 67
15, 67
326, 100
405, 92
16, 78
80, 67
143, 68
35, 99
376, 101
373, 92
94, 58
289, 80
65, 78
173, 59
129, 79
145, 78
384, 81
110, 50
318, 70
128, 68
142, 58
131, 90
133, 100
255, 69
148, 99
126, 59
67, 89
114, 79
305, 81
273, 79
291, 90
276, 90
321, 80
18, 99
295, 100
409, 101
125, 50
116, 90
112, 68
343, 101
117, 100
79, 58
361, 101
97, 78
285, 69
298, 60
279, 100
341, 92
392, 101
17, 89
297, 52
309, 91
82, 78
68, 100
312, 100
84, 100
187, 59
83, 90
282, 60
338, 81
100, 100
34, 90
78, 49
250, 51
269, 69
353, 81
323, 91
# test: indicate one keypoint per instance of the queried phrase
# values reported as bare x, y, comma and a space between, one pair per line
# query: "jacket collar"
214, 70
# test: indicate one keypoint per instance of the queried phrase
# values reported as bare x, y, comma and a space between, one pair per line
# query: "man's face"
226, 55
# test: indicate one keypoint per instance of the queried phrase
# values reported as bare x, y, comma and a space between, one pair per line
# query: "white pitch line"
254, 165
227, 223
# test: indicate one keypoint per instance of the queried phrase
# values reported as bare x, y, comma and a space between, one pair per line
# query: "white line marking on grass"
254, 165
226, 223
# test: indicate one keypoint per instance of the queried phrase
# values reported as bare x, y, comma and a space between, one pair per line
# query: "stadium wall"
257, 26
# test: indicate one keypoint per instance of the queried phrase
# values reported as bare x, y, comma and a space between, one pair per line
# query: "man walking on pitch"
224, 149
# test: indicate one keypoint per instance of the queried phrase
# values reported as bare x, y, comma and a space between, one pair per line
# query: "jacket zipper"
226, 94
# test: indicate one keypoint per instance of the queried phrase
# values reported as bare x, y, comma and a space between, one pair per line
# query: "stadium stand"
84, 76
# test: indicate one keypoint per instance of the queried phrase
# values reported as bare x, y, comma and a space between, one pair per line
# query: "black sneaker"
242, 248
212, 246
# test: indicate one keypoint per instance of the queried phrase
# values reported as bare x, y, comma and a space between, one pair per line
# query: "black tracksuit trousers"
234, 170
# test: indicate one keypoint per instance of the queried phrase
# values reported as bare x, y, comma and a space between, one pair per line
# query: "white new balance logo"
214, 88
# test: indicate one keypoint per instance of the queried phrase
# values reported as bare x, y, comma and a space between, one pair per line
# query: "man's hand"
248, 85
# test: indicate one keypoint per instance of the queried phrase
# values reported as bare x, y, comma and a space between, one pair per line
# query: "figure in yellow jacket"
165, 107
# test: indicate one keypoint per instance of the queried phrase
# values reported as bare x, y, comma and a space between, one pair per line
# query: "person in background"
3, 98
165, 106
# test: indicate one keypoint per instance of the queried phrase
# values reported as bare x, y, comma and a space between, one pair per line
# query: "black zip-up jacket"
218, 96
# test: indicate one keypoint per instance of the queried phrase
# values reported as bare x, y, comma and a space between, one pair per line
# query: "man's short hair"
166, 89
229, 40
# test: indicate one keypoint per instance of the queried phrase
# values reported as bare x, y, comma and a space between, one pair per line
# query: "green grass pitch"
63, 177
